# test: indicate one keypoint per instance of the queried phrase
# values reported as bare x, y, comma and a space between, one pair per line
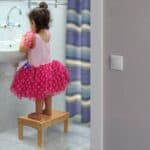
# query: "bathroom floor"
78, 138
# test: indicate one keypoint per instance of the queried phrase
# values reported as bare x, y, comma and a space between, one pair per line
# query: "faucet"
8, 16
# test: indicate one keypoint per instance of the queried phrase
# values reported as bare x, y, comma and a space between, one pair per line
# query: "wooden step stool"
56, 117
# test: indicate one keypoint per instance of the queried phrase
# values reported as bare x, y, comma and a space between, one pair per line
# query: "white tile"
55, 138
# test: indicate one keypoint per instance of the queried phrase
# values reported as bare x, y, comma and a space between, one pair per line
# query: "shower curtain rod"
50, 3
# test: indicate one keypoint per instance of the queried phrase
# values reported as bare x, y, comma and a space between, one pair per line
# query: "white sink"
9, 52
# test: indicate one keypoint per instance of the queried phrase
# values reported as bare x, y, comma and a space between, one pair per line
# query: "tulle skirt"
39, 82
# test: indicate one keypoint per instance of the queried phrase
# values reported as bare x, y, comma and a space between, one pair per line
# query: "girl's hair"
41, 16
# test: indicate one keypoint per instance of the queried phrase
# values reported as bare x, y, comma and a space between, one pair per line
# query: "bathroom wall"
58, 44
10, 106
127, 93
11, 32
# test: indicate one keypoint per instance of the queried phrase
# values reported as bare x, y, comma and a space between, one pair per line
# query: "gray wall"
127, 93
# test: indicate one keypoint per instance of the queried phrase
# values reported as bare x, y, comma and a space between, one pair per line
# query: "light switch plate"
116, 62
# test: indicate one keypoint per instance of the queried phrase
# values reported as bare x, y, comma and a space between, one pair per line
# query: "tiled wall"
11, 33
10, 106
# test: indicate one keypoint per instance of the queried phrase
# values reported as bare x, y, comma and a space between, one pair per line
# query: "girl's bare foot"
36, 116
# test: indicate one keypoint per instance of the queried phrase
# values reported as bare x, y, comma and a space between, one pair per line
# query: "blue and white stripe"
78, 58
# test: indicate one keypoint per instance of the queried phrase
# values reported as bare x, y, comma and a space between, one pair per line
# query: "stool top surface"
56, 115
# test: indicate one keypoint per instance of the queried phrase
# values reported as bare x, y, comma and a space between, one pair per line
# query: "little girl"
39, 78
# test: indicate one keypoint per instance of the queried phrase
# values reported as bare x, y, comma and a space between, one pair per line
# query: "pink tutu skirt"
39, 82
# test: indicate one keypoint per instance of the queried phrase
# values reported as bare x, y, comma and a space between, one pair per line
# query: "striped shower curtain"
78, 58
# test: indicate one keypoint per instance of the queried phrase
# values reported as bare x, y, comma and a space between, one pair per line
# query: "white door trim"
97, 75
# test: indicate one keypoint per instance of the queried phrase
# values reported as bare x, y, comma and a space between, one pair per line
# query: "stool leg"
20, 130
40, 137
66, 125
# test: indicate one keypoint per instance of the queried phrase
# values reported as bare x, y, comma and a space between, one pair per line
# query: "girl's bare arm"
22, 48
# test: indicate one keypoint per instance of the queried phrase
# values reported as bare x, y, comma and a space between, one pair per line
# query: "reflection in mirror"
45, 58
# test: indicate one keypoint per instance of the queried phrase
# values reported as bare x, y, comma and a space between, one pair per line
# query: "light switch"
116, 62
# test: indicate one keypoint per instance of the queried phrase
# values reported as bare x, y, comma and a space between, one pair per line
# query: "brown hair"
41, 16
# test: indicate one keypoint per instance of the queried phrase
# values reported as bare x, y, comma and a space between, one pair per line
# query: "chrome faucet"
8, 23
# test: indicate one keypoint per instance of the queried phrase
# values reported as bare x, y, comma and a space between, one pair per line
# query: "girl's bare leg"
38, 110
48, 106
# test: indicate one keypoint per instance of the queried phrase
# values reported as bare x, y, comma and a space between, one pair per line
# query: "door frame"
97, 75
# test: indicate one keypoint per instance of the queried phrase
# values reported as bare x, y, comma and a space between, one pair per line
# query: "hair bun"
43, 5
